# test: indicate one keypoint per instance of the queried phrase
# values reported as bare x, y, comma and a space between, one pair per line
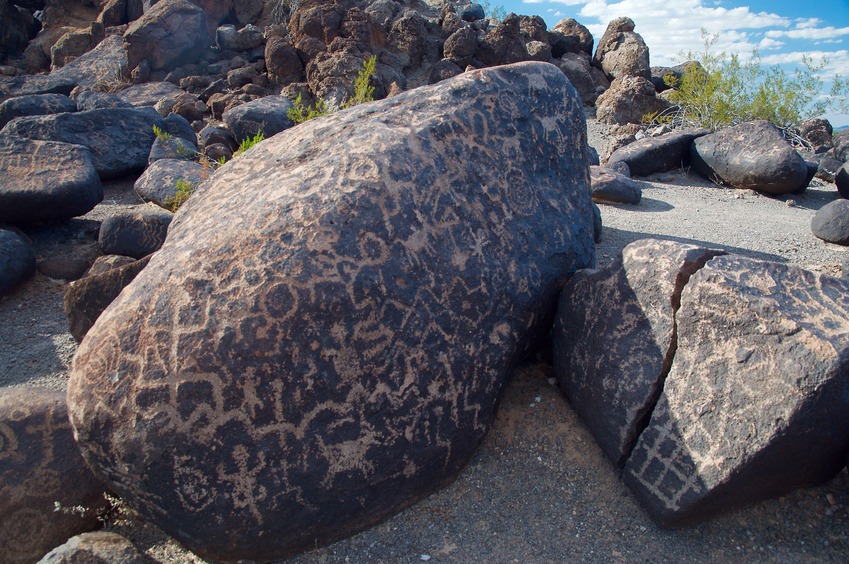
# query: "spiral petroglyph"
324, 335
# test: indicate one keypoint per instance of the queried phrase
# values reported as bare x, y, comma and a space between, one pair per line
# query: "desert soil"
539, 488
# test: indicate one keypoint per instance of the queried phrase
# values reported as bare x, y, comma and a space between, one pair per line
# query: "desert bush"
723, 90
363, 92
248, 143
184, 191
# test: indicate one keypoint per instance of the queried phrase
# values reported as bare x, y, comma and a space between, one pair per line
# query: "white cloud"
809, 32
769, 44
837, 61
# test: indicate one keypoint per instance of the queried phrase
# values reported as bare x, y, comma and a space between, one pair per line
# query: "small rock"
100, 547
134, 234
17, 261
831, 222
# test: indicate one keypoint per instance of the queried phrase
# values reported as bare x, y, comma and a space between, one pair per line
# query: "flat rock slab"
148, 93
323, 337
45, 180
756, 402
751, 155
17, 261
614, 337
35, 105
657, 154
40, 465
119, 138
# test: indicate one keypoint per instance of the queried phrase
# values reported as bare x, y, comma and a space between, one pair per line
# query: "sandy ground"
538, 489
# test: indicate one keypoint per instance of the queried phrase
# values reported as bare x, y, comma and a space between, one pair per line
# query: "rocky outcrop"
17, 261
40, 467
321, 337
119, 139
831, 222
45, 180
755, 404
17, 27
577, 68
614, 338
753, 155
622, 52
650, 155
569, 36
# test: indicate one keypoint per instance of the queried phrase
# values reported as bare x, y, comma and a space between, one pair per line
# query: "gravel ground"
538, 489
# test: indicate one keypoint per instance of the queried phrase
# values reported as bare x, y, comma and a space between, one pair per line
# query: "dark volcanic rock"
17, 261
171, 33
149, 93
841, 180
831, 222
171, 148
628, 99
577, 68
622, 52
657, 154
503, 44
268, 115
17, 27
614, 337
86, 298
39, 467
93, 100
751, 155
119, 138
755, 404
323, 337
35, 105
609, 187
104, 66
134, 234
44, 180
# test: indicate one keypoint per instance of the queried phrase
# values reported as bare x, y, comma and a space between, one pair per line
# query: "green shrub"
248, 143
363, 92
160, 134
723, 90
184, 191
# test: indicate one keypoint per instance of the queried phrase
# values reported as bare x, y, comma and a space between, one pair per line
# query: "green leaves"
363, 92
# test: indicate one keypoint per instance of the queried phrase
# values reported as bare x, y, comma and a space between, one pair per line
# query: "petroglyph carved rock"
40, 464
323, 337
756, 402
614, 337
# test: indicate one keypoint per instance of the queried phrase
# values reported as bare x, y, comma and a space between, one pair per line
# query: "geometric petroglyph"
323, 337
757, 401
614, 337
40, 464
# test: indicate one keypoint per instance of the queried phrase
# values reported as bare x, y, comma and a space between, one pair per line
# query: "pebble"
424, 557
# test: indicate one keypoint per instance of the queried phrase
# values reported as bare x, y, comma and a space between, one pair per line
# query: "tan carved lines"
9, 445
246, 490
192, 485
348, 456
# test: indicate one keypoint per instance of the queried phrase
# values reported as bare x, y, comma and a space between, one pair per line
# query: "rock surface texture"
100, 547
17, 261
40, 465
657, 154
323, 337
614, 338
622, 52
756, 402
751, 155
831, 222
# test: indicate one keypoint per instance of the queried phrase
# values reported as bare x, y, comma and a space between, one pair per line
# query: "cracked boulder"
323, 338
614, 337
756, 403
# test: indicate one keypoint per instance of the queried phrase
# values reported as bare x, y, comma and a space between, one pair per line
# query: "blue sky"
780, 30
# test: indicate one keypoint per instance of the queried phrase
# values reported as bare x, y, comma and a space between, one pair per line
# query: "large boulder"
17, 261
841, 180
44, 180
577, 68
752, 155
268, 116
134, 234
614, 338
323, 338
569, 36
622, 52
630, 99
119, 138
503, 44
831, 222
40, 467
170, 34
35, 105
158, 184
756, 402
101, 68
650, 155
